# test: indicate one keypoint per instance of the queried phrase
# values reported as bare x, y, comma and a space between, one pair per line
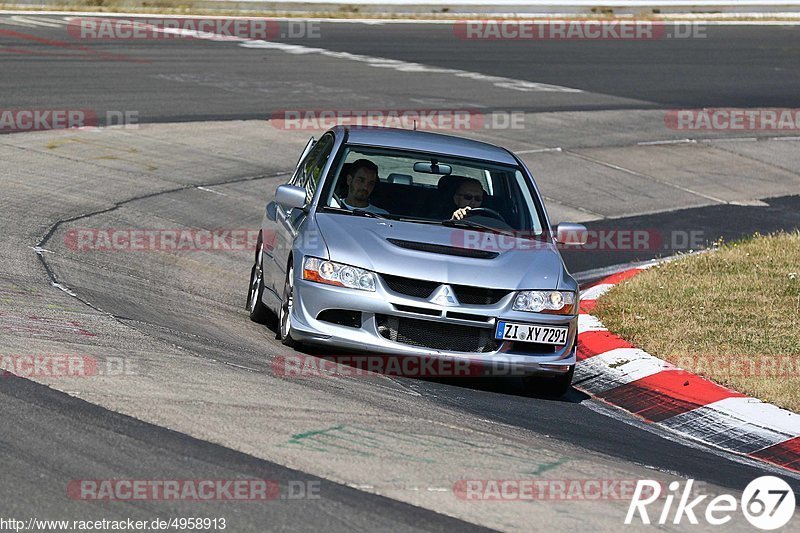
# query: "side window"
312, 167
307, 156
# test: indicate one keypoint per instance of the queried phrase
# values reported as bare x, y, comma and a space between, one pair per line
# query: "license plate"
511, 331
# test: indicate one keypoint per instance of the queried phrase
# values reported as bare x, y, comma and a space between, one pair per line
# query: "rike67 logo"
768, 503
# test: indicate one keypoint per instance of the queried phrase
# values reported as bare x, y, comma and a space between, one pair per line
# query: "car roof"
424, 141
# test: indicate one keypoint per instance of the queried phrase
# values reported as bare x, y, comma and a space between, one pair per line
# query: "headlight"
556, 302
319, 270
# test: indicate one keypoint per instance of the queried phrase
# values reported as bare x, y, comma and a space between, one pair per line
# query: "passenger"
362, 176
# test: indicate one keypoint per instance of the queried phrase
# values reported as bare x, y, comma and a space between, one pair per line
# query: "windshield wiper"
355, 212
469, 224
419, 220
365, 213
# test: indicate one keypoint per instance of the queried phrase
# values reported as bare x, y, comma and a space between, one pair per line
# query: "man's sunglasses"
470, 197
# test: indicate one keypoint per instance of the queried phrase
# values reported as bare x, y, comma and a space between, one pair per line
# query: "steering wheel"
485, 211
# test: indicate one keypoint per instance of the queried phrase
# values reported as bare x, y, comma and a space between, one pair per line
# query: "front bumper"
311, 299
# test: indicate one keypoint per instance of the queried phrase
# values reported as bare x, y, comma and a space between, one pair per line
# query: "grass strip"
731, 315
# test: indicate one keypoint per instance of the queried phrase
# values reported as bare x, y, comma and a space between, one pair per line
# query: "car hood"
364, 242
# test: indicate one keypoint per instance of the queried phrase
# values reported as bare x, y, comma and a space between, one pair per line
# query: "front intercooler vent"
417, 310
467, 316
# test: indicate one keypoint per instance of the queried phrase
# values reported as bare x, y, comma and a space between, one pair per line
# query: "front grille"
436, 335
478, 295
410, 287
442, 249
423, 289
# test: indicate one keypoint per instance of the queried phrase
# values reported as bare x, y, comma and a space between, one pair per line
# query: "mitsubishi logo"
444, 296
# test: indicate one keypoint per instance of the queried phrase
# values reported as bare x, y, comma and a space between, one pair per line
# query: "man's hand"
459, 214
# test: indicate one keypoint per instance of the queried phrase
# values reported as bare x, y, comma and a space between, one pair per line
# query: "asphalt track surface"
173, 80
51, 438
81, 437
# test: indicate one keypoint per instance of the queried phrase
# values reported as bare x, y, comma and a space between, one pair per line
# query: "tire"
287, 304
552, 387
258, 311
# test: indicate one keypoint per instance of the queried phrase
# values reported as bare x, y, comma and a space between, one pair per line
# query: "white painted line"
39, 21
593, 293
783, 139
360, 486
731, 139
12, 22
590, 214
63, 288
648, 177
405, 66
749, 203
239, 366
206, 189
539, 150
377, 62
674, 141
39, 250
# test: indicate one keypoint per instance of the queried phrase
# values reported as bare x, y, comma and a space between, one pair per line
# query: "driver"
468, 195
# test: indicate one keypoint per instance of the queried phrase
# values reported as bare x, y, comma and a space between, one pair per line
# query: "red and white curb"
614, 371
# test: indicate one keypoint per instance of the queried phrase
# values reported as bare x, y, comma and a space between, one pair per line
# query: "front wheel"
287, 305
554, 387
258, 311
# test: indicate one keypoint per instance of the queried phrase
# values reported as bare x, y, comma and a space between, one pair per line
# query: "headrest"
403, 179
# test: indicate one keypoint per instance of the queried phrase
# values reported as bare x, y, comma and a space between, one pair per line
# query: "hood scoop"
442, 249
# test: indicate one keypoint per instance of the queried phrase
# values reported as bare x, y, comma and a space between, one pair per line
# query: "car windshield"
432, 189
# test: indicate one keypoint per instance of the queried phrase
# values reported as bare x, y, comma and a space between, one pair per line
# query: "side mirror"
272, 211
290, 196
571, 234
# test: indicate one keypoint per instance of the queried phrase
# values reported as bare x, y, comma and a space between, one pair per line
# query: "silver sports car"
414, 244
